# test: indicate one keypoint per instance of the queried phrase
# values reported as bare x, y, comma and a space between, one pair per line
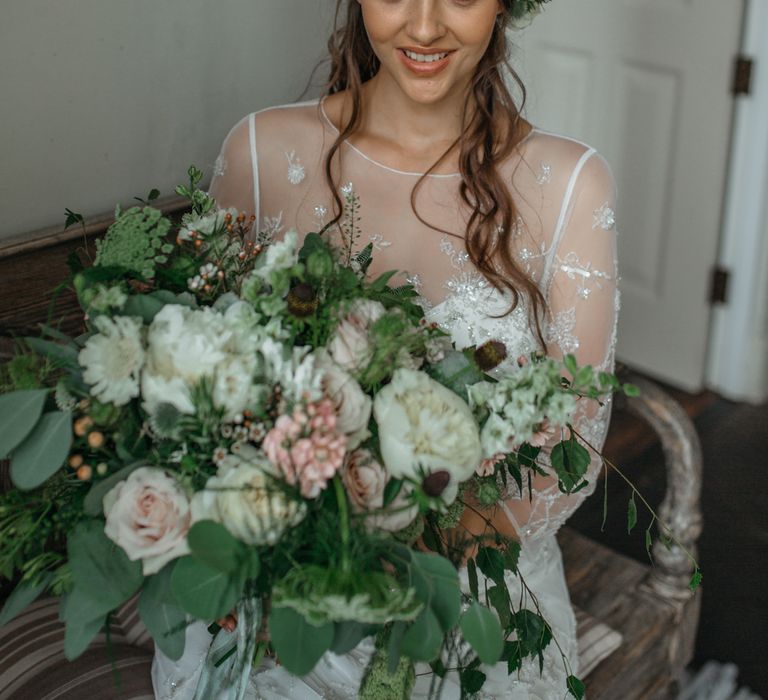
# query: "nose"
425, 25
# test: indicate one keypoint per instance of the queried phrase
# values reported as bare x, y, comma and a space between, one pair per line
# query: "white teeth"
425, 58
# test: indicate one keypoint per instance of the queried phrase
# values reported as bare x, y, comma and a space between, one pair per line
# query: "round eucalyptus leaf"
482, 630
43, 452
299, 644
204, 592
19, 412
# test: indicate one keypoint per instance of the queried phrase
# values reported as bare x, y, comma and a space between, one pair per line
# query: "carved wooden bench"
652, 607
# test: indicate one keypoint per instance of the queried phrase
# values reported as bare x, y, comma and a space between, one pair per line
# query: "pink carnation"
545, 431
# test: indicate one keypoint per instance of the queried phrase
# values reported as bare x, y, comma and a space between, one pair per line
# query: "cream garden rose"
350, 346
365, 480
148, 515
425, 428
248, 503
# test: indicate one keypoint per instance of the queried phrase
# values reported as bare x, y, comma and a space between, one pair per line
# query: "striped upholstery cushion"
33, 663
597, 641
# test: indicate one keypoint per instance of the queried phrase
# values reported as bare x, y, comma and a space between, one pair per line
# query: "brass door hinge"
718, 293
742, 76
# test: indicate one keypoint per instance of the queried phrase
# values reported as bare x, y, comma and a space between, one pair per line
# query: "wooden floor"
734, 545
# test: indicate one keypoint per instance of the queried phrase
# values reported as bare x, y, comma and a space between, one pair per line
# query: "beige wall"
101, 100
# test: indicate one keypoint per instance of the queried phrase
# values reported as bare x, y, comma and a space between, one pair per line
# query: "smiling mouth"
425, 58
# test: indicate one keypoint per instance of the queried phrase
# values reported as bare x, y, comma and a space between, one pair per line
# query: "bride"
506, 231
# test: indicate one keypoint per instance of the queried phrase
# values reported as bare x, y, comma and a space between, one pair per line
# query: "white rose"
148, 515
425, 428
350, 346
233, 388
365, 480
248, 504
279, 255
351, 404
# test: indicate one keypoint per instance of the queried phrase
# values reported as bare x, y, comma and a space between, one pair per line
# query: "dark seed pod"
490, 355
434, 484
302, 300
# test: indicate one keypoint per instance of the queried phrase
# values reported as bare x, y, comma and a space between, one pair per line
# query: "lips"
425, 63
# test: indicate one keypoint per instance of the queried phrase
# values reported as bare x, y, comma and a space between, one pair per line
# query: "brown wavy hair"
482, 188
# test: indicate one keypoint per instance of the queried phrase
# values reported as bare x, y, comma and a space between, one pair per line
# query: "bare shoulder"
563, 161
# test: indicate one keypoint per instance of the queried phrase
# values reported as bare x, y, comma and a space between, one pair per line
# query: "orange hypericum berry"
207, 288
198, 243
82, 425
228, 217
95, 439
85, 472
75, 461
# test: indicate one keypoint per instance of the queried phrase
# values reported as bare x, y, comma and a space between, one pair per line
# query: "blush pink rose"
350, 346
148, 515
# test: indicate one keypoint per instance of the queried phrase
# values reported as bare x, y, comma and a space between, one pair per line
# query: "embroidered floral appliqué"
379, 242
220, 167
545, 174
604, 218
583, 273
296, 173
560, 331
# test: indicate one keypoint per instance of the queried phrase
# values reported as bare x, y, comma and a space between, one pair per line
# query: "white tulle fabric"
271, 165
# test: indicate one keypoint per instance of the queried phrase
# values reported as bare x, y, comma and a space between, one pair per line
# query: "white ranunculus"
248, 504
186, 345
350, 346
425, 428
148, 515
352, 405
365, 480
113, 359
279, 255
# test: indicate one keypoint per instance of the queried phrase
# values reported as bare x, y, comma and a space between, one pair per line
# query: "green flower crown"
525, 9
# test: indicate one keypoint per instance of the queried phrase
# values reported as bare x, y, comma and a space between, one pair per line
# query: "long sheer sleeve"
235, 181
580, 280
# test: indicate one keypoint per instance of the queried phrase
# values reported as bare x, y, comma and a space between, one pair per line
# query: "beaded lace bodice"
272, 166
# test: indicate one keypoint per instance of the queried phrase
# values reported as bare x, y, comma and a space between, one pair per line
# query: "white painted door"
647, 82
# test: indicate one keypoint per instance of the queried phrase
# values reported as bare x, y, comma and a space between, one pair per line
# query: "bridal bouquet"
255, 426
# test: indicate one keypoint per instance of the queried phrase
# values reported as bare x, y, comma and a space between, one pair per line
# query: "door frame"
737, 363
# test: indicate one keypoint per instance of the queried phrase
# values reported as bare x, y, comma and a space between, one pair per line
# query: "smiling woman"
507, 234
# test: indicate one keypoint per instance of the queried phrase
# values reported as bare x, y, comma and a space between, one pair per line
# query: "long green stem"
341, 499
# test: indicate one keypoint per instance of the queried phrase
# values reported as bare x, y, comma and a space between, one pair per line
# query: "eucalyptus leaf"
347, 635
64, 354
482, 631
19, 412
213, 544
204, 592
25, 593
101, 570
144, 306
78, 635
437, 585
164, 619
423, 639
43, 451
299, 645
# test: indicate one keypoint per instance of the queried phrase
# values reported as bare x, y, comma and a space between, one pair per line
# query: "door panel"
647, 82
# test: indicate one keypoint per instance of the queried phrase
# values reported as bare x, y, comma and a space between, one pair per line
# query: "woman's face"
430, 48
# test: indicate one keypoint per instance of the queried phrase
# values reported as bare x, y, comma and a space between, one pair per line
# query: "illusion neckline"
335, 129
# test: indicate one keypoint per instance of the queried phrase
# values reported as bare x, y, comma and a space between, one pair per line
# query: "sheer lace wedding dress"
271, 165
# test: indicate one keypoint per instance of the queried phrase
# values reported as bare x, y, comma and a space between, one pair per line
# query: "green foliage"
43, 451
437, 586
136, 242
203, 591
424, 637
19, 413
298, 644
576, 687
160, 612
482, 631
25, 593
213, 545
570, 461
